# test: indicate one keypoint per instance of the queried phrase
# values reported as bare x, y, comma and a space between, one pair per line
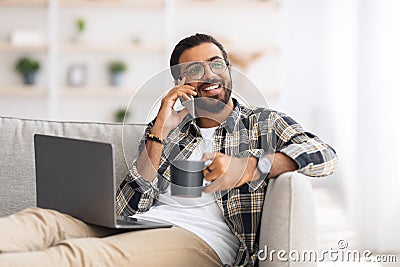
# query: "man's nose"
208, 73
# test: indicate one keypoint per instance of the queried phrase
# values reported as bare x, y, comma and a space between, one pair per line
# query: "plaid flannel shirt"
248, 131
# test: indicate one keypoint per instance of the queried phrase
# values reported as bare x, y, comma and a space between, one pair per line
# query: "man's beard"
215, 104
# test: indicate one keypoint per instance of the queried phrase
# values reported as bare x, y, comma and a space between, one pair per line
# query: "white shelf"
23, 91
23, 3
104, 47
8, 47
259, 4
97, 91
113, 3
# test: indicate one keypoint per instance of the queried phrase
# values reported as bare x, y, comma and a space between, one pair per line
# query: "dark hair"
189, 42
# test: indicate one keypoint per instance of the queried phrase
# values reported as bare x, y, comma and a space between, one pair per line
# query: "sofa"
288, 222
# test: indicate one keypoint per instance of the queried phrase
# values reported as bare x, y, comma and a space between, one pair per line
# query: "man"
234, 165
249, 146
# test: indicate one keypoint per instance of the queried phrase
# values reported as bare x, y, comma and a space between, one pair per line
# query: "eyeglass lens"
196, 71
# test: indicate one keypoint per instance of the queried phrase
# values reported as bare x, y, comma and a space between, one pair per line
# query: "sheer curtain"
343, 65
362, 82
378, 131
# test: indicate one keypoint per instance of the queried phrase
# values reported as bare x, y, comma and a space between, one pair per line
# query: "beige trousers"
39, 237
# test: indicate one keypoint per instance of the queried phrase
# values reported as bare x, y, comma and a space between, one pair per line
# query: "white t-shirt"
202, 216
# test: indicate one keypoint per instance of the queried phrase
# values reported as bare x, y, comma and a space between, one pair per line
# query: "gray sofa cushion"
17, 171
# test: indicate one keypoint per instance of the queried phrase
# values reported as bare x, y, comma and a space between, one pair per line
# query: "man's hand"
227, 172
167, 117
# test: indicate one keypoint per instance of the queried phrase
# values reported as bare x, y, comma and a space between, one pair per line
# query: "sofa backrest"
17, 160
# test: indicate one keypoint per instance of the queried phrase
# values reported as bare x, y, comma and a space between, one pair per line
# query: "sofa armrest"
288, 222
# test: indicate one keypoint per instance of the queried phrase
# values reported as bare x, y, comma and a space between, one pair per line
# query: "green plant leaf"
117, 66
27, 65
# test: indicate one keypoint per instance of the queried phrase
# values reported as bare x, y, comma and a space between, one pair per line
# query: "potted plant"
28, 67
80, 25
121, 114
117, 68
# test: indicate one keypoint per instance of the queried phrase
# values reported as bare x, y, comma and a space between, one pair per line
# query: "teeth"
211, 87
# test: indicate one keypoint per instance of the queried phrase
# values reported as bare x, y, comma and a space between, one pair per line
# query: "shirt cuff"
297, 154
144, 186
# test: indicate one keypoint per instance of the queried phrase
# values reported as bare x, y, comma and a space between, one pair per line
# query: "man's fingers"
187, 90
211, 175
183, 94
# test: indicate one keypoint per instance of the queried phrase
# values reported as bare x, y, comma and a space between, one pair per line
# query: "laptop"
77, 177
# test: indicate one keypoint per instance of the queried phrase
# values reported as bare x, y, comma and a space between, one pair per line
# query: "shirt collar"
231, 122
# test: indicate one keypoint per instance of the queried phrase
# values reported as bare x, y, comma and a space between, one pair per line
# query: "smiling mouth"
211, 89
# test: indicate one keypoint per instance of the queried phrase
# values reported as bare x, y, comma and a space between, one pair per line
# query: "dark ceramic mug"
187, 178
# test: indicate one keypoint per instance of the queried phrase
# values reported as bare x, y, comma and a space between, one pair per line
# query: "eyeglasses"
196, 71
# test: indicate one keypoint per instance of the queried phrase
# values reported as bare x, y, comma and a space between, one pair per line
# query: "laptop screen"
80, 177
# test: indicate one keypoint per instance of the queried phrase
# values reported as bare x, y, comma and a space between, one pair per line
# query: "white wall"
339, 92
303, 51
307, 95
